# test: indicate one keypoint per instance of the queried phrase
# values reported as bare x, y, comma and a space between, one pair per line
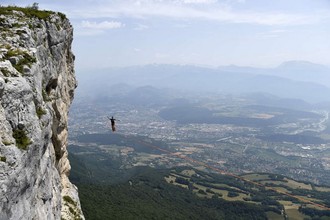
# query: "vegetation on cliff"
29, 11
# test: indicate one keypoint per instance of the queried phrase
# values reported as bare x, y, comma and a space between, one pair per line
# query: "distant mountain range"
293, 80
295, 70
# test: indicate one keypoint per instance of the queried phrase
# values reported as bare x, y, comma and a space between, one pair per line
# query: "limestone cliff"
37, 85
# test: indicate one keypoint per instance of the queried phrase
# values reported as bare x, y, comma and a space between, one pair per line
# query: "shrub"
3, 159
63, 16
71, 210
22, 140
5, 71
182, 181
35, 6
40, 112
69, 200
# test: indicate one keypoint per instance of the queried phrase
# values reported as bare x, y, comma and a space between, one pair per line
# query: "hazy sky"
259, 33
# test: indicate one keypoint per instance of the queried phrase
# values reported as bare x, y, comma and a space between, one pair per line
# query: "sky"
212, 33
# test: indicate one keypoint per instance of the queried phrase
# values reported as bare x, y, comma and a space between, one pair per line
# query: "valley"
244, 147
233, 140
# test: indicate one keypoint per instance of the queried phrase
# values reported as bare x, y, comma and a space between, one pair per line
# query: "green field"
294, 214
274, 216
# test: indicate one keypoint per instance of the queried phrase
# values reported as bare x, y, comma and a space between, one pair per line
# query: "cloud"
224, 11
104, 25
272, 19
211, 10
92, 28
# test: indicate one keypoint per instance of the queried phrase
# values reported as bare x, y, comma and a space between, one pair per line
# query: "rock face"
37, 85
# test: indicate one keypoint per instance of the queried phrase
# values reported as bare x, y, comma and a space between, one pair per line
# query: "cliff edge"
37, 85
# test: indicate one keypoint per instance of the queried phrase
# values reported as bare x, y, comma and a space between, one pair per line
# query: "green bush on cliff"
22, 140
40, 112
69, 200
5, 71
26, 60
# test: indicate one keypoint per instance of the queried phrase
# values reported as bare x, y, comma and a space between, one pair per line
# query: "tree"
35, 6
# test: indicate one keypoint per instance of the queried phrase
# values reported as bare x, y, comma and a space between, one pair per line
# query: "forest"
143, 192
147, 196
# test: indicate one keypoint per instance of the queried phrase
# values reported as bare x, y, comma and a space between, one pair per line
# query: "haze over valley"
235, 119
248, 123
293, 80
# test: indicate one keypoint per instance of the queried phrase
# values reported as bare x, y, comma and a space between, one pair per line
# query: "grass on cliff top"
29, 12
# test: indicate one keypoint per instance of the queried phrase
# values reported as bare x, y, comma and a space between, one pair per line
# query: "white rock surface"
35, 96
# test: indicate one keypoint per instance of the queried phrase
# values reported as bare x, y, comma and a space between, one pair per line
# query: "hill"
294, 80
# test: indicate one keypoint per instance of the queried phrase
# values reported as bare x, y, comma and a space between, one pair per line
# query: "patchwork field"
285, 195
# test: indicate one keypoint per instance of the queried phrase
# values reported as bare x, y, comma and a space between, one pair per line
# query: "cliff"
37, 85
